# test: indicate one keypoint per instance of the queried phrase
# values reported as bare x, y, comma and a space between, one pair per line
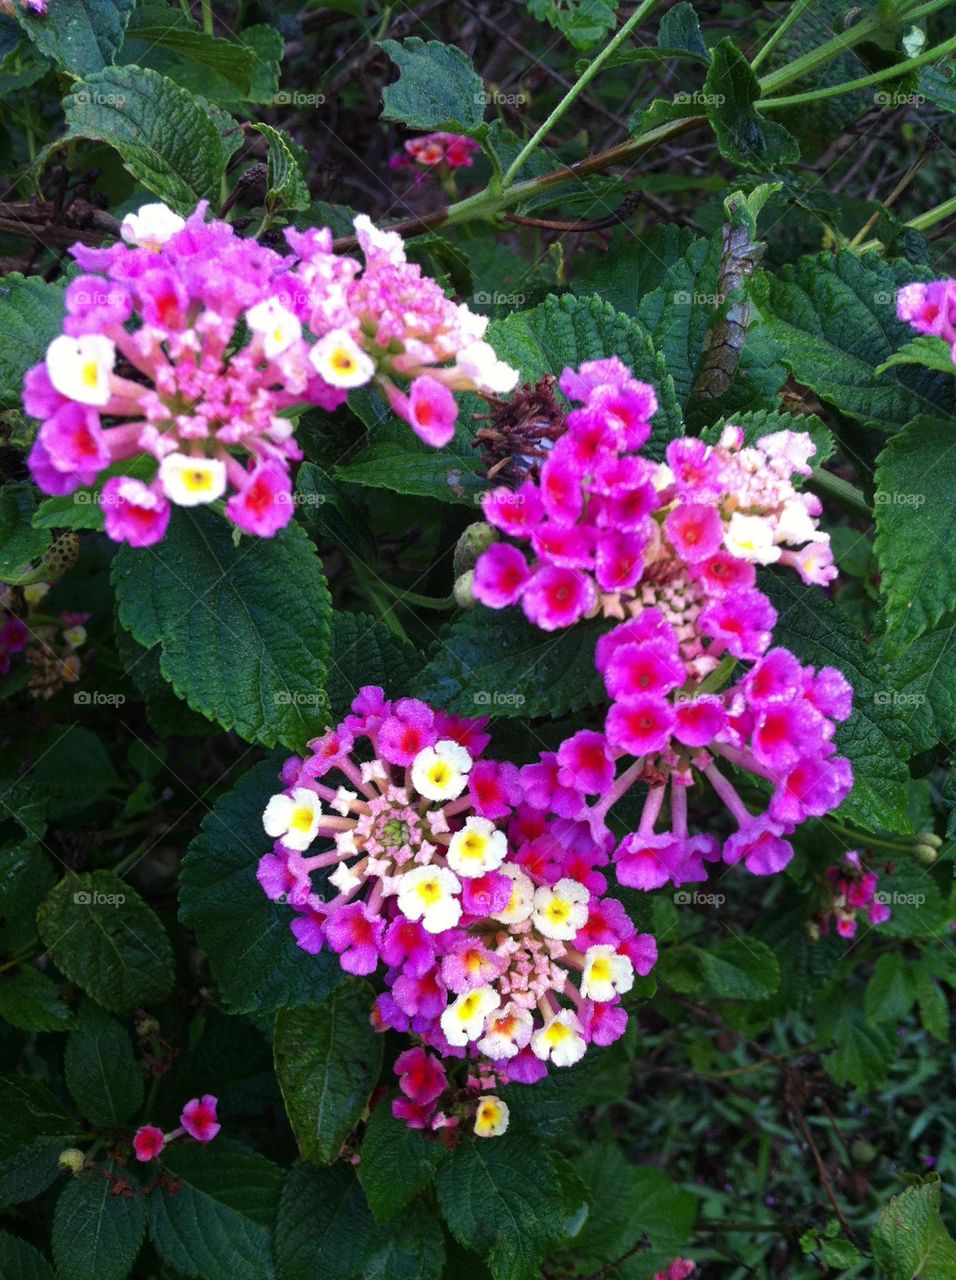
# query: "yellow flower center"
429, 891
301, 819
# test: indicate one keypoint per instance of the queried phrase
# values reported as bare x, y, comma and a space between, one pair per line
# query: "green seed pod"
476, 538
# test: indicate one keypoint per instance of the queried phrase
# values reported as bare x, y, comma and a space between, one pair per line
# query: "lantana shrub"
476, 603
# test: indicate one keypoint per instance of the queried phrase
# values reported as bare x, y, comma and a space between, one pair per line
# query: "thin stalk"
576, 90
892, 198
779, 32
826, 485
207, 17
922, 222
936, 54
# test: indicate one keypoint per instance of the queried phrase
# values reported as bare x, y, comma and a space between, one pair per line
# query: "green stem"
865, 841
935, 54
826, 485
576, 90
21, 957
923, 221
207, 16
779, 32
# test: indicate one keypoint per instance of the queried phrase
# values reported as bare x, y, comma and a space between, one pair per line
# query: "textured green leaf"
634, 264
739, 969
910, 1241
31, 316
216, 1224
743, 135
160, 26
411, 1245
437, 88
253, 954
862, 1053
327, 1057
835, 317
934, 353
32, 1001
101, 1072
364, 651
167, 714
766, 422
397, 1162
583, 22
96, 1234
286, 167
501, 1200
891, 990
21, 546
27, 874
874, 737
497, 663
35, 1130
916, 529
20, 1261
243, 629
82, 36
173, 142
103, 936
71, 768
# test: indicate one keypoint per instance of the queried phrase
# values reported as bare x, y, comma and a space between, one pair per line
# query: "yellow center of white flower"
90, 373
558, 910
557, 1033
342, 361
439, 773
198, 480
430, 892
601, 969
301, 819
468, 1006
473, 845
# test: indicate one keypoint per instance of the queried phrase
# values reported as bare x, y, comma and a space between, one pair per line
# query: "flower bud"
462, 590
863, 1152
476, 538
925, 853
72, 1161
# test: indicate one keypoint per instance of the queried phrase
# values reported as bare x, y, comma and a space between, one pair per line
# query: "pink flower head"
742, 623
486, 895
134, 512
263, 505
148, 1142
494, 788
699, 720
777, 677
603, 1022
199, 1118
647, 861
407, 731
467, 964
641, 725
561, 478
516, 513
812, 788
75, 442
723, 574
785, 731
501, 574
695, 530
620, 559
356, 936
555, 598
421, 1076
584, 763
432, 411
929, 308
761, 846
637, 669
406, 944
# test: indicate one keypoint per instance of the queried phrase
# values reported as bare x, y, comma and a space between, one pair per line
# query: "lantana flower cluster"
435, 150
49, 645
190, 347
198, 1120
673, 548
398, 845
852, 894
930, 309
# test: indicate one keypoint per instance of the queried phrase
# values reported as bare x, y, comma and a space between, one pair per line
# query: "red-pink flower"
148, 1142
421, 1076
199, 1118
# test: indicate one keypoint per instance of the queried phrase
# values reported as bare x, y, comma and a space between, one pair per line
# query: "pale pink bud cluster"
852, 893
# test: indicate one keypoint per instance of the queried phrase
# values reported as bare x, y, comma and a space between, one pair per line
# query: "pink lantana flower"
199, 1118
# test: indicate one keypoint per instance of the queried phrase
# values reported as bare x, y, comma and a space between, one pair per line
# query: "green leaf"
35, 1130
72, 769
20, 1261
173, 142
21, 546
96, 1234
327, 1057
910, 1241
364, 651
632, 267
730, 93
167, 714
412, 1245
287, 163
32, 1001
628, 1201
437, 88
101, 934
243, 629
862, 1053
397, 1162
160, 26
680, 29
216, 1222
502, 1200
583, 22
874, 737
921, 683
934, 353
27, 874
765, 422
31, 316
915, 528
101, 1072
891, 990
835, 317
497, 663
253, 953
739, 969
82, 36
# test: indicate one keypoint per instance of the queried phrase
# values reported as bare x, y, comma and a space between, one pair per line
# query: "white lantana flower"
341, 361
751, 538
80, 368
606, 974
343, 879
560, 1040
560, 910
277, 325
464, 1019
480, 363
190, 482
479, 847
429, 894
441, 772
293, 819
507, 1032
491, 1118
521, 902
151, 226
